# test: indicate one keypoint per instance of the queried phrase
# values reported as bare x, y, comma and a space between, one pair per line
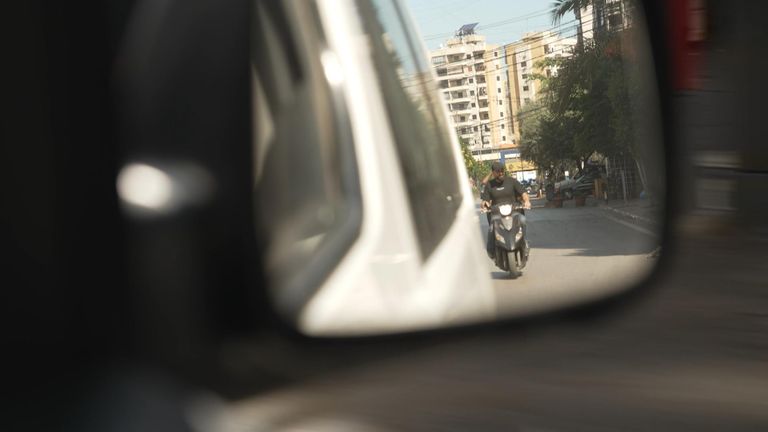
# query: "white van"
362, 192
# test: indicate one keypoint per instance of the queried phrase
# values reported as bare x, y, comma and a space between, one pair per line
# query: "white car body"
383, 284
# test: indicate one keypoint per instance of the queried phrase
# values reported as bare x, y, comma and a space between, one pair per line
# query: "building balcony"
463, 99
467, 113
459, 87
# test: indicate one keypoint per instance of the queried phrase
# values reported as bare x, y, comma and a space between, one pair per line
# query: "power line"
508, 65
571, 26
517, 19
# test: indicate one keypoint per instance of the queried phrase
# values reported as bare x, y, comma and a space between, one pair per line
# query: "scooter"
511, 248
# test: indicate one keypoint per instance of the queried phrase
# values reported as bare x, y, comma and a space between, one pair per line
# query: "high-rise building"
523, 68
472, 78
523, 60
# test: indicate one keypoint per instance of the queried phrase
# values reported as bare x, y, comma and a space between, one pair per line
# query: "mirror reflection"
477, 166
560, 139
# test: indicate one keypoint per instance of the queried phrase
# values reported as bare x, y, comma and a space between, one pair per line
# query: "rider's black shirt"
503, 191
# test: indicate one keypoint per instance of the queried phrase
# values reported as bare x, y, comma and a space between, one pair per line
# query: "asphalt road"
577, 254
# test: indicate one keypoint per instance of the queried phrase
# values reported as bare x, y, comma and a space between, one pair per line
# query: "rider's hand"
527, 205
486, 205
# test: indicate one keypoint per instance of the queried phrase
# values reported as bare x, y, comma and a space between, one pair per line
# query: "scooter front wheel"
512, 266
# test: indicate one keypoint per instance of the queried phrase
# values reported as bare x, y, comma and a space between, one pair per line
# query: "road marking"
633, 226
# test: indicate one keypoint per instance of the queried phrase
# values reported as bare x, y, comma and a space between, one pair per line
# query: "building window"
503, 138
475, 128
525, 76
522, 64
526, 100
498, 90
473, 104
498, 78
474, 116
469, 56
546, 49
615, 21
472, 92
501, 102
495, 53
502, 125
501, 114
471, 80
525, 88
462, 119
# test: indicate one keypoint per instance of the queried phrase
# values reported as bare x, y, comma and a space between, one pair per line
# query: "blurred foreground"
692, 356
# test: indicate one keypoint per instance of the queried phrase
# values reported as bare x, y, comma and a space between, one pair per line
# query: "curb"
627, 214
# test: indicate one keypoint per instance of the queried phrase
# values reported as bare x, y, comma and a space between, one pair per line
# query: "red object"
686, 27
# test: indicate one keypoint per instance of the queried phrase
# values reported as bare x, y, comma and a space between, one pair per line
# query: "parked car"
582, 183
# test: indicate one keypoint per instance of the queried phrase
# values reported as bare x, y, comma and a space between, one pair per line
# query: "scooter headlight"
505, 210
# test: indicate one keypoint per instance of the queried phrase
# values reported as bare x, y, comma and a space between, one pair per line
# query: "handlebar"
515, 207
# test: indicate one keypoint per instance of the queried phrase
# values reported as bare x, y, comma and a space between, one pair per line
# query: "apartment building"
473, 80
523, 65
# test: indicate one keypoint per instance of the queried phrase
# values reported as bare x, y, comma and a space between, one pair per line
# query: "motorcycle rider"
500, 188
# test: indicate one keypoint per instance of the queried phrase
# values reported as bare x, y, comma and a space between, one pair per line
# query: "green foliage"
587, 108
546, 139
562, 7
476, 169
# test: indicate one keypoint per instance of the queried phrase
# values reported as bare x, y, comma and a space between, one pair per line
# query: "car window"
417, 120
308, 200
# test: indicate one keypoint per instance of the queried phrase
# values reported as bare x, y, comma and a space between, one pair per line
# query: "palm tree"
562, 7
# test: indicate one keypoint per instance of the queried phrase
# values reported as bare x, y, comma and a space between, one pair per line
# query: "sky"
507, 20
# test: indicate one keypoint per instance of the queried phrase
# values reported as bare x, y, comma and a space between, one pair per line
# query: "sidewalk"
696, 224
639, 210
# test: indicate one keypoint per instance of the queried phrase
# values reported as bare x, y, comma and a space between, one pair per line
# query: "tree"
546, 139
588, 107
562, 7
475, 169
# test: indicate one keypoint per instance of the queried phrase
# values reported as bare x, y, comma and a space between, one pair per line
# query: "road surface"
577, 254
